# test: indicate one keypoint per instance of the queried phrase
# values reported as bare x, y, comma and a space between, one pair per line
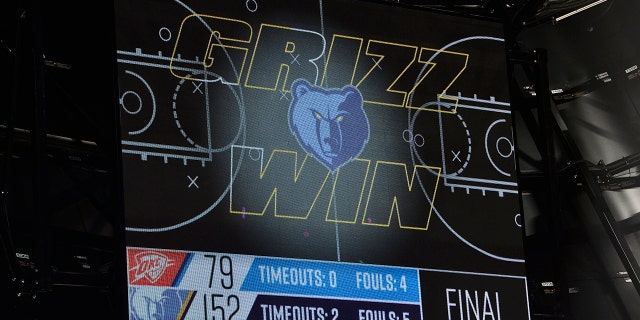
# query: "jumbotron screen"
317, 160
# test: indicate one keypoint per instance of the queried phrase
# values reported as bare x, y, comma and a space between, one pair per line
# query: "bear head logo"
329, 124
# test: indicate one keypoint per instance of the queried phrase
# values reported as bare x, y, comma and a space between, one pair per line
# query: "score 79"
222, 266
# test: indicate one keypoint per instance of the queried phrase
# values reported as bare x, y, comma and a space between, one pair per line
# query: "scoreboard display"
316, 160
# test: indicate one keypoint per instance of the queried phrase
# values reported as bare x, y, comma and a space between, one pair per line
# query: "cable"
574, 163
8, 245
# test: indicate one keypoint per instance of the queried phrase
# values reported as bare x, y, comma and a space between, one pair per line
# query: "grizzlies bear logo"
329, 124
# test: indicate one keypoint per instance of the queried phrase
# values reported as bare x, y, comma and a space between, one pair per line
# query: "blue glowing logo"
329, 124
156, 303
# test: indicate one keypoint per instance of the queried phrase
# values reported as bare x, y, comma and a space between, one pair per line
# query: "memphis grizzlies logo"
330, 124
153, 303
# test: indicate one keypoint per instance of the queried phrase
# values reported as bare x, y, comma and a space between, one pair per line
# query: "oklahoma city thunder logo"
329, 124
150, 265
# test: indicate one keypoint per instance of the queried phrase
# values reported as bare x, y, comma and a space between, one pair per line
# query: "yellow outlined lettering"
344, 203
277, 60
444, 68
280, 177
397, 59
388, 194
216, 41
381, 203
342, 60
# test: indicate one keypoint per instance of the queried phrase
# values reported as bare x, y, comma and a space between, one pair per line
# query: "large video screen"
312, 160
